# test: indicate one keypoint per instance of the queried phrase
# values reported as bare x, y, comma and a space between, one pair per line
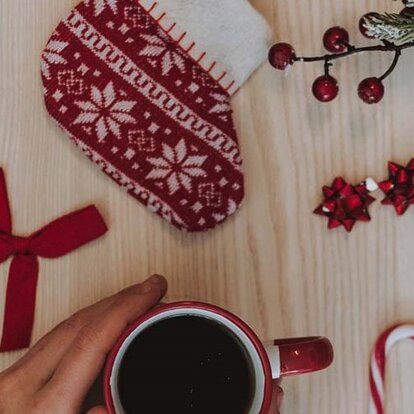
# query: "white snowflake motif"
161, 47
51, 56
105, 111
101, 5
222, 104
177, 167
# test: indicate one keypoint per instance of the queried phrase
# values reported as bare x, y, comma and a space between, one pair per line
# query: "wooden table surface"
275, 264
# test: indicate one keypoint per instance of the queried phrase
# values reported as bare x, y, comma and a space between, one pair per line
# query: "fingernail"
146, 288
156, 280
151, 282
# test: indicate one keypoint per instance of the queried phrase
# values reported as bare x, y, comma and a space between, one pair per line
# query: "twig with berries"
396, 32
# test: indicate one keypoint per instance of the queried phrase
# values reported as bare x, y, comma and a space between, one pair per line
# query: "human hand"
56, 375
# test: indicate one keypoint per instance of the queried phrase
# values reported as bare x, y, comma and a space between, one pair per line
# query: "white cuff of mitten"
228, 38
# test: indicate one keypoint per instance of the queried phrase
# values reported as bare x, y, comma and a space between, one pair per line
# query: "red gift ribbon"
54, 240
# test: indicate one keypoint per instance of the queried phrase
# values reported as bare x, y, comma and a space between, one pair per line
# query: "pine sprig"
392, 27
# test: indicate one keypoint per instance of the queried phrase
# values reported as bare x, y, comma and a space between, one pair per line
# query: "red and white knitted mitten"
143, 88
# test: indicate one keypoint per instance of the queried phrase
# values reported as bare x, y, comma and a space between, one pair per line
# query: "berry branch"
389, 28
352, 50
393, 65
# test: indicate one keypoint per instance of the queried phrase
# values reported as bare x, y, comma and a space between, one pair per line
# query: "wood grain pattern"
274, 263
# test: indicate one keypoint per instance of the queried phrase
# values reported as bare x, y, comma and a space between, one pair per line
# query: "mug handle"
299, 355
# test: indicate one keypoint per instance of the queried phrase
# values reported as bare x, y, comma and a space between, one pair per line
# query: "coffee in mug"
195, 358
186, 364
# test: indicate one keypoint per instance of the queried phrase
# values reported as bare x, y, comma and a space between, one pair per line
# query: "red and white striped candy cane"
378, 363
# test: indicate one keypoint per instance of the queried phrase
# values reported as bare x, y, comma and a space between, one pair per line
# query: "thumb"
277, 398
98, 410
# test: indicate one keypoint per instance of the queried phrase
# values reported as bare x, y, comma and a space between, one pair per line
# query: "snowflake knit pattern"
146, 112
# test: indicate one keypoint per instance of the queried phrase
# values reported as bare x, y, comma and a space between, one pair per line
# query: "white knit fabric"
228, 38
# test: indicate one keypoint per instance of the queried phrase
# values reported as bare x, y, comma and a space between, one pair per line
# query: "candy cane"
378, 362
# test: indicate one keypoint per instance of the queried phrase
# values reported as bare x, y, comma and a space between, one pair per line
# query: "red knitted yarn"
145, 112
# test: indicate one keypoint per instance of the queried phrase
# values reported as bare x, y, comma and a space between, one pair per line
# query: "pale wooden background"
274, 264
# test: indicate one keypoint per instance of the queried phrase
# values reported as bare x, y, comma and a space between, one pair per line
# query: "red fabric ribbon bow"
54, 240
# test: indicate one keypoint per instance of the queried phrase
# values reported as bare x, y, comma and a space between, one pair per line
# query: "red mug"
271, 360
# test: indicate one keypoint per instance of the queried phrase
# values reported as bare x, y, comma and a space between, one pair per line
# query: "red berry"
362, 23
371, 90
281, 55
325, 88
336, 39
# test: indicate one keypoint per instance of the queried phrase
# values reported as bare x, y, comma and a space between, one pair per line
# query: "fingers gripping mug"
196, 358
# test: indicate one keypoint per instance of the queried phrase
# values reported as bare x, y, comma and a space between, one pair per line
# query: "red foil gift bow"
54, 240
399, 188
344, 204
